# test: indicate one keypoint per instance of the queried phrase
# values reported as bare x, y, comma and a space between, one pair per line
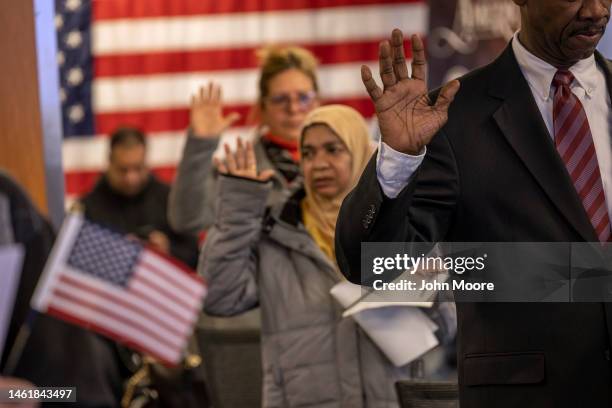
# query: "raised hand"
242, 162
406, 118
160, 241
206, 116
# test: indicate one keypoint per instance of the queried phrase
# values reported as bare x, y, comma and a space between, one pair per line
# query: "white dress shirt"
394, 168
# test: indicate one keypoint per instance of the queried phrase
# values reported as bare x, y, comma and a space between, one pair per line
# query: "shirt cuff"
394, 169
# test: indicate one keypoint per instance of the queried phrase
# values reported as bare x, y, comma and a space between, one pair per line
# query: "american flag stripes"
137, 62
110, 284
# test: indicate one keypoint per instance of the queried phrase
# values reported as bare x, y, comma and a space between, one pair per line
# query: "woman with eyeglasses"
287, 93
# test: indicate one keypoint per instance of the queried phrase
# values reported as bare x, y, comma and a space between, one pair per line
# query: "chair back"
231, 354
427, 394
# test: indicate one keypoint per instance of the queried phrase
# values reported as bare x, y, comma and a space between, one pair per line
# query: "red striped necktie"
574, 143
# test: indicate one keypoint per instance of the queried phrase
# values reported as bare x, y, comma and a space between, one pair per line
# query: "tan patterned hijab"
320, 213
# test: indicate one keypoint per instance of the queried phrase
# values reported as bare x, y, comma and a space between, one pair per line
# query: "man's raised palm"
406, 118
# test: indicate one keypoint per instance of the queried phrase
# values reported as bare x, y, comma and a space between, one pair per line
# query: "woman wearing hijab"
283, 260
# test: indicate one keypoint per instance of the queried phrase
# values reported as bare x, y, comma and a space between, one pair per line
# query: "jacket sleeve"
184, 247
22, 223
190, 206
228, 260
422, 212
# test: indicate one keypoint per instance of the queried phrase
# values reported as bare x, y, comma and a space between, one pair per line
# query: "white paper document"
11, 258
400, 329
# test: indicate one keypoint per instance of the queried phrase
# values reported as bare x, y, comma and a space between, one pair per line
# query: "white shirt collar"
540, 73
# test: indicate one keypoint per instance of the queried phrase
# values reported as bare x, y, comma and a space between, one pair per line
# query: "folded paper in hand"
400, 329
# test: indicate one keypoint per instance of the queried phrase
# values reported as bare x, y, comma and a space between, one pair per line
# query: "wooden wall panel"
21, 140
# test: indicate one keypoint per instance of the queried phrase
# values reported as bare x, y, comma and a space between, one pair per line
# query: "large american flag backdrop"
136, 62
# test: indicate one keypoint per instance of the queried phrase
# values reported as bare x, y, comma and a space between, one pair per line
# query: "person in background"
287, 92
283, 260
55, 354
128, 198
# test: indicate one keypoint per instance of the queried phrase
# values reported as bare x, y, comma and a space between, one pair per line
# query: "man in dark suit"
521, 152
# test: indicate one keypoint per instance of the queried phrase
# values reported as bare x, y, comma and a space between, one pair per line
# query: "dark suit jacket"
492, 174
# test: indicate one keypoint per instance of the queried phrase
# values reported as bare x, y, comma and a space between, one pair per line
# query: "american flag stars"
74, 39
73, 5
75, 65
76, 113
75, 76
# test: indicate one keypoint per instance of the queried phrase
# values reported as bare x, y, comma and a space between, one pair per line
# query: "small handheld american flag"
112, 285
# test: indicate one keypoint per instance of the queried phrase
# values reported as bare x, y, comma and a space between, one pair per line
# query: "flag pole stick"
19, 345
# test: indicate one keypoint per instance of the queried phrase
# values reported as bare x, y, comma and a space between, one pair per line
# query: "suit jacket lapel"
607, 68
520, 121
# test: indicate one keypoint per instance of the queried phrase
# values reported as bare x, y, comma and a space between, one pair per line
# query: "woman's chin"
292, 134
328, 192
290, 131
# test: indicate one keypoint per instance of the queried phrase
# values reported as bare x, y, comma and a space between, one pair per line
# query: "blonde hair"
276, 59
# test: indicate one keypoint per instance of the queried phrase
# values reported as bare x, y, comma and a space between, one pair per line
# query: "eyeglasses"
304, 99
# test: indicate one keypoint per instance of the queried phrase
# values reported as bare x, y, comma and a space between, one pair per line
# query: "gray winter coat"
312, 357
191, 203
